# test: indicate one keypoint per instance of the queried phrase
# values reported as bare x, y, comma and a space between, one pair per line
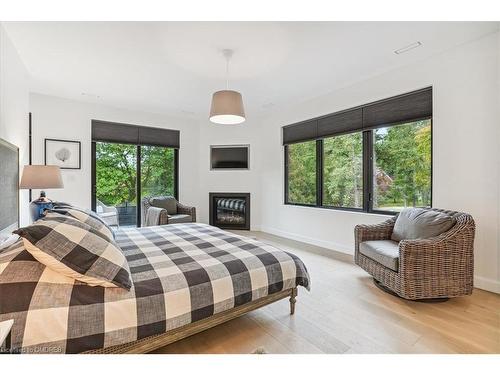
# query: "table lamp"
41, 177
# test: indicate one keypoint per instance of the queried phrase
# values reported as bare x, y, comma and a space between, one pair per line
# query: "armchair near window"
431, 268
164, 210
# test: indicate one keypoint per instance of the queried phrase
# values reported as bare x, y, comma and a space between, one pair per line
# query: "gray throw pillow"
419, 223
168, 203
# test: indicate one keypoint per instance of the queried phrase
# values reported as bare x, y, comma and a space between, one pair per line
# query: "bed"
186, 278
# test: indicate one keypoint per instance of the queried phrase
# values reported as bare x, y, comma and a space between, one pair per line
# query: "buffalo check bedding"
181, 273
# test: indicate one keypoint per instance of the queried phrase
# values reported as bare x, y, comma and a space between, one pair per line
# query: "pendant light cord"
227, 72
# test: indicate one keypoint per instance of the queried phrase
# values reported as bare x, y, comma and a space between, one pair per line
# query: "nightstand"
5, 328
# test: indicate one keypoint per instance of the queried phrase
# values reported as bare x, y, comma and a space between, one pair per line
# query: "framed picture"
64, 154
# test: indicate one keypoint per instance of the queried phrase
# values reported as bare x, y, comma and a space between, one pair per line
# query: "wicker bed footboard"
151, 343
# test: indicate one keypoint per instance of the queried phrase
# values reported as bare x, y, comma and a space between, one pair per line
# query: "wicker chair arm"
463, 231
448, 256
381, 231
365, 232
187, 210
163, 217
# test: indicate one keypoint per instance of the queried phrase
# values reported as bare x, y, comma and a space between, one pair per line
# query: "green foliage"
302, 173
343, 171
402, 168
116, 172
404, 154
157, 171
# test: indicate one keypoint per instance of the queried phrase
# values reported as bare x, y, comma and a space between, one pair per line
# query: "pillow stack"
85, 216
78, 245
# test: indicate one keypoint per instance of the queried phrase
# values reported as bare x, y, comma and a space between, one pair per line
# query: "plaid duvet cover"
181, 273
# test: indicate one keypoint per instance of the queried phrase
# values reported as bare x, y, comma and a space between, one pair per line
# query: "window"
301, 173
157, 171
372, 158
116, 174
131, 162
117, 171
343, 171
402, 166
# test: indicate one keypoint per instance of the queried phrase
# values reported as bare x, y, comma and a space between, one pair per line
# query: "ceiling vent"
407, 48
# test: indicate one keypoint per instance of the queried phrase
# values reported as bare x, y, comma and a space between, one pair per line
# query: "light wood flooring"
346, 313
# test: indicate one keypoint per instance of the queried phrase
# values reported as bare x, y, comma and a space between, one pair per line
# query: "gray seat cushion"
179, 218
168, 203
385, 252
420, 223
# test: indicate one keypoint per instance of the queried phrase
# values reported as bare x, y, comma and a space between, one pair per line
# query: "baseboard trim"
480, 282
489, 285
330, 245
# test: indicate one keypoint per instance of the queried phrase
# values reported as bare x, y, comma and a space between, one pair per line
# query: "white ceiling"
173, 67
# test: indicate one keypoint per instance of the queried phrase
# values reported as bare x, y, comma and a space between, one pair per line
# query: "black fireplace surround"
230, 210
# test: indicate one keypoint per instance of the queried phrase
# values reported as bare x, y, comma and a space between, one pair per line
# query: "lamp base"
37, 207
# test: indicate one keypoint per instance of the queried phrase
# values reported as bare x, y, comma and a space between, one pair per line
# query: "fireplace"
230, 210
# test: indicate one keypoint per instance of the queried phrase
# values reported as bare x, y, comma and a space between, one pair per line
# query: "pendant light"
227, 105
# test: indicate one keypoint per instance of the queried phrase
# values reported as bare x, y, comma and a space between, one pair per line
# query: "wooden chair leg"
293, 294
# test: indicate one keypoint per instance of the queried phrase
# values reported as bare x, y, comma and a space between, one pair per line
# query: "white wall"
14, 107
465, 140
244, 181
498, 160
59, 118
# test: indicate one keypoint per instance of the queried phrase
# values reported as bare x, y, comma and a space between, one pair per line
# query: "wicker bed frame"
151, 343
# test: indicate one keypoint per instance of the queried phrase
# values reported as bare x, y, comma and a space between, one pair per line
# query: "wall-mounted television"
229, 157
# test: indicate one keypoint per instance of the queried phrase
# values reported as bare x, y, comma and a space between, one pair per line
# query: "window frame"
286, 154
368, 186
138, 154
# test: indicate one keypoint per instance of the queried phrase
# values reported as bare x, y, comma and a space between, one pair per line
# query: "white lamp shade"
41, 177
227, 108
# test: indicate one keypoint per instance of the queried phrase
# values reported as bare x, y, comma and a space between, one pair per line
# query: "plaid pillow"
74, 249
85, 216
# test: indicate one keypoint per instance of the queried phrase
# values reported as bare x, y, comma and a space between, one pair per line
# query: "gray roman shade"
104, 131
341, 122
303, 131
412, 106
408, 107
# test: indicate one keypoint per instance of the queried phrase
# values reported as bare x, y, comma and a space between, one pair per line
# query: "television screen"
229, 157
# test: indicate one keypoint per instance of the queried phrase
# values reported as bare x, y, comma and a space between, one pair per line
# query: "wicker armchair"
179, 214
438, 267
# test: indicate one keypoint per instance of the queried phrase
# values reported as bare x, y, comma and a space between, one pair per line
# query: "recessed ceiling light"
407, 48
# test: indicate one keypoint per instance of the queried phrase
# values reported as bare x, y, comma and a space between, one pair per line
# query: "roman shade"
303, 131
341, 122
408, 107
104, 131
412, 106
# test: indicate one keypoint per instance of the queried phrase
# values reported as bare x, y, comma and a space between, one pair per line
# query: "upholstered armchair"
431, 268
164, 210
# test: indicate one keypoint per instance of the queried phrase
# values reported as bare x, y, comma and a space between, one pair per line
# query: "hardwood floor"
346, 313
